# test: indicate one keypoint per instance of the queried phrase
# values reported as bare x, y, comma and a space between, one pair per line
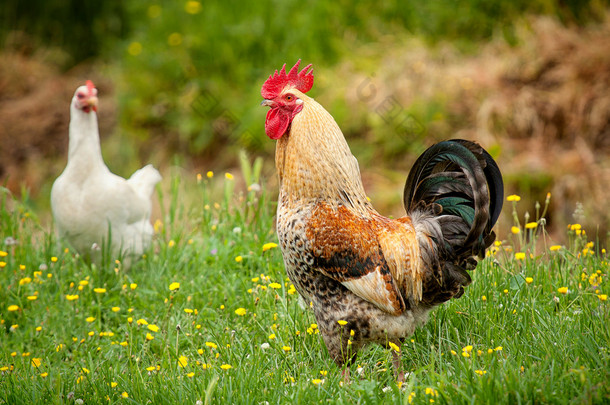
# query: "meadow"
208, 316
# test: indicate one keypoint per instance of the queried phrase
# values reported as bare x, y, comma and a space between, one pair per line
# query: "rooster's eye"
289, 97
80, 95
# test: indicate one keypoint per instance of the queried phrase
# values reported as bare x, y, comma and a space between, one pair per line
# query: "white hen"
92, 206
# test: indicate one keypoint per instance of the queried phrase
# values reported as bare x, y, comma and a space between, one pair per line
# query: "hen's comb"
90, 86
302, 81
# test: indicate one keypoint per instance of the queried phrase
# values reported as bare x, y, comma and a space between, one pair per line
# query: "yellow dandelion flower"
240, 311
529, 280
562, 290
317, 381
602, 297
25, 280
483, 298
142, 321
38, 328
211, 345
323, 372
342, 322
515, 229
210, 174
271, 336
238, 259
72, 297
226, 367
153, 328
268, 246
519, 256
513, 198
134, 48
183, 361
125, 395
32, 297
431, 391
171, 243
149, 336
275, 285
90, 319
394, 346
453, 352
3, 253
2, 264
83, 283
44, 375
188, 310
286, 348
174, 286
174, 39
575, 227
192, 7
115, 309
531, 225
228, 176
498, 349
36, 362
480, 372
555, 248
99, 290
12, 308
53, 259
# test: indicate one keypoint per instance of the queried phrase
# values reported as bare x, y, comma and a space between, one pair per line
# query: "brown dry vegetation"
542, 107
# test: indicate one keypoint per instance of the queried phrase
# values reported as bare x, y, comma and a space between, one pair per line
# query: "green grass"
530, 342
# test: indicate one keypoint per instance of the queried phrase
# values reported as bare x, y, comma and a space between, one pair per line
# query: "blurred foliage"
82, 29
192, 71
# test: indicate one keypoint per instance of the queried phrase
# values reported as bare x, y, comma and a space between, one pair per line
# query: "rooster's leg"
396, 363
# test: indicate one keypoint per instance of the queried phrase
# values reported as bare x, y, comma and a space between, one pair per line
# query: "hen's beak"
92, 101
268, 103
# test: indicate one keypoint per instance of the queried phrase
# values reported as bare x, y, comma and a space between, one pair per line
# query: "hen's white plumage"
93, 206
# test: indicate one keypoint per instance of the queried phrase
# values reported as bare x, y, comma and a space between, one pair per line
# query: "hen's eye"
289, 97
80, 95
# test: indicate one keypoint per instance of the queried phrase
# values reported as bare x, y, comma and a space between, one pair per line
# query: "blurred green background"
183, 84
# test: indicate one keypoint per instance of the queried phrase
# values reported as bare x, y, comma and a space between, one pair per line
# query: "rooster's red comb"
302, 81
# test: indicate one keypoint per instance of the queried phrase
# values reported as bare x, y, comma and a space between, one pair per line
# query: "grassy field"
208, 316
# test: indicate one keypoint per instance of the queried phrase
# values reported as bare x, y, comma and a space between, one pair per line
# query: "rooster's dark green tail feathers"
463, 180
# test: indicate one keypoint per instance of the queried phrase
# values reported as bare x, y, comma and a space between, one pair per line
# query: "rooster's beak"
268, 103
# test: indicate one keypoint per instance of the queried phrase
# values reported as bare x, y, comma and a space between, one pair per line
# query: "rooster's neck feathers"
315, 163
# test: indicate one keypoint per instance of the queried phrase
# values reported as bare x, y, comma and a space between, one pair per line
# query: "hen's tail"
144, 180
454, 195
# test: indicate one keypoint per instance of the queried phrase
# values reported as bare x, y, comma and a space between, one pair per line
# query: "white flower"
265, 346
237, 229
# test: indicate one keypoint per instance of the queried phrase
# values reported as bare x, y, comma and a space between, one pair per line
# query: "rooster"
368, 278
93, 207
